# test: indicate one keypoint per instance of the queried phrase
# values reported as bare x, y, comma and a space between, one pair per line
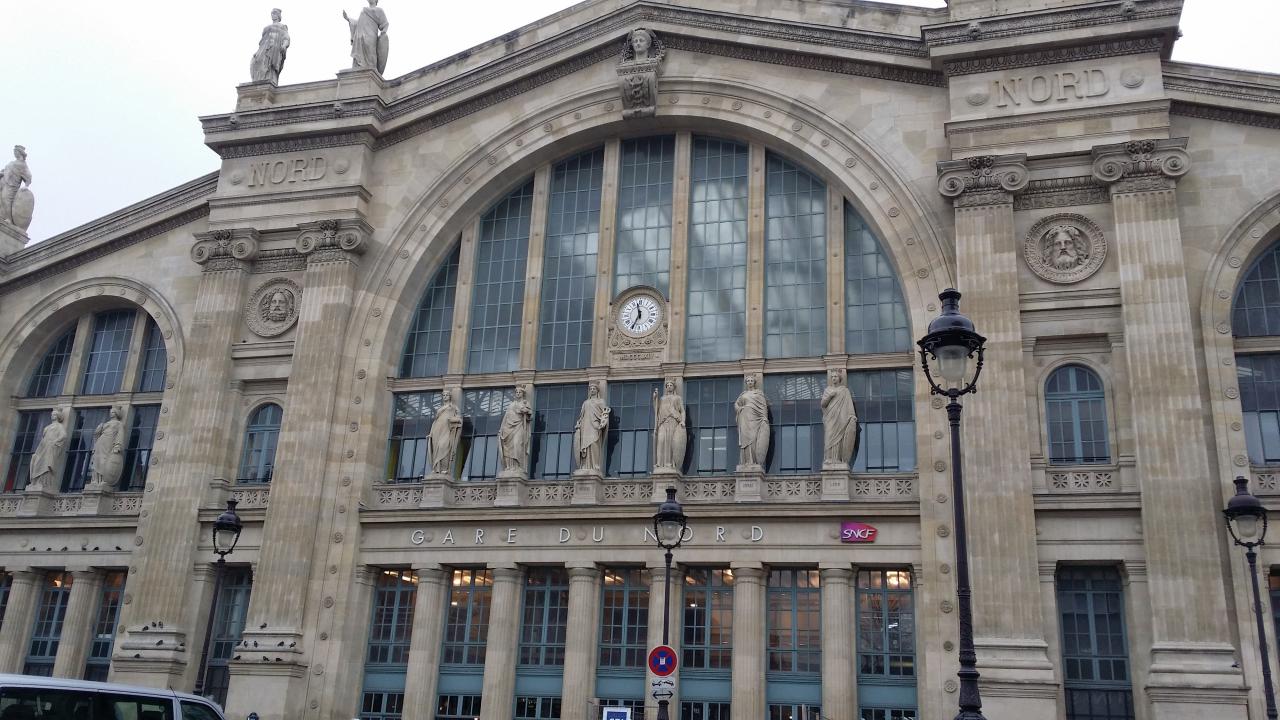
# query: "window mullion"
462, 298
536, 260
837, 329
1077, 430
679, 292
605, 250
79, 355
133, 361
755, 251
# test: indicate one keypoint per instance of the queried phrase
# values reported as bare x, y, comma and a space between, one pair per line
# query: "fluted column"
658, 596
1009, 635
1191, 643
291, 536
499, 685
423, 674
581, 642
839, 681
19, 616
77, 627
748, 641
158, 643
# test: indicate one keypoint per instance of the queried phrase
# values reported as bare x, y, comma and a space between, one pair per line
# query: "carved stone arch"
1252, 235
55, 310
1108, 397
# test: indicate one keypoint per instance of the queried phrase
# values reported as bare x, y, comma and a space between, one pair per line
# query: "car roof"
48, 682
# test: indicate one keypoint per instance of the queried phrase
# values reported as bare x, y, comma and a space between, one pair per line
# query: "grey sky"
105, 95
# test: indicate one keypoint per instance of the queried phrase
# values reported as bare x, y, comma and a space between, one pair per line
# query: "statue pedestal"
664, 478
12, 239
37, 499
91, 499
835, 483
586, 487
748, 483
437, 491
513, 489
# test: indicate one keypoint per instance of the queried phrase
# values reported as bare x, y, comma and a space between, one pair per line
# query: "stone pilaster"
581, 641
657, 597
1193, 672
605, 251
1009, 636
152, 653
500, 653
424, 650
679, 247
755, 262
279, 602
78, 625
536, 260
839, 681
19, 616
749, 640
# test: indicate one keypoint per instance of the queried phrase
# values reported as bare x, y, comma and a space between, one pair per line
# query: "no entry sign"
662, 661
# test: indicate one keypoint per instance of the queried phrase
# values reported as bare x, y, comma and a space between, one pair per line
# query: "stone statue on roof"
269, 60
369, 42
16, 202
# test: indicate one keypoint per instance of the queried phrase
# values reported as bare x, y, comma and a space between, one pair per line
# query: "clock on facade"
640, 315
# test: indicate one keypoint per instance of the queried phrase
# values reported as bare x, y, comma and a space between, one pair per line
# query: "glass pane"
482, 416
1075, 415
716, 312
498, 297
104, 368
31, 425
794, 621
410, 424
231, 608
795, 251
631, 427
875, 314
137, 455
796, 421
50, 375
708, 619
426, 347
75, 474
569, 269
391, 626
545, 617
258, 461
555, 413
886, 420
1256, 309
154, 362
104, 629
1094, 648
466, 628
644, 214
624, 618
51, 612
711, 423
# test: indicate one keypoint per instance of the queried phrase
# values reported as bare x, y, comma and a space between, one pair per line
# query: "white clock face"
639, 315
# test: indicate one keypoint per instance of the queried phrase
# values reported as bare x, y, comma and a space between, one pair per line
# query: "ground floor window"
231, 606
47, 633
537, 708
382, 706
699, 710
1095, 656
98, 665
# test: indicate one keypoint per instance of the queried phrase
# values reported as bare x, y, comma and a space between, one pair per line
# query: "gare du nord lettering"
1058, 86
280, 172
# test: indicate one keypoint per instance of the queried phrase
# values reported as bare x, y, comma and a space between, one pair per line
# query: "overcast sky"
105, 95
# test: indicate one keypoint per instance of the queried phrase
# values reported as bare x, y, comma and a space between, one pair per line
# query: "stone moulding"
1068, 18
983, 180
1049, 56
1221, 114
1061, 192
1141, 165
1064, 248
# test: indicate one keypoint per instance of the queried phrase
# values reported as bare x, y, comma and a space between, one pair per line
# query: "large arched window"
1076, 413
1255, 314
426, 349
108, 359
258, 460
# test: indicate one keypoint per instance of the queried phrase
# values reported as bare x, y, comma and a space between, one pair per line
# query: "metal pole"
203, 683
1267, 690
663, 709
970, 700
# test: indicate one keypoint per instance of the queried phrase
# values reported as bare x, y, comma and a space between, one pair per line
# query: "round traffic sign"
662, 660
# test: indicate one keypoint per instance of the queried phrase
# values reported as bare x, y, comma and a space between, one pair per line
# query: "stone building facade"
783, 193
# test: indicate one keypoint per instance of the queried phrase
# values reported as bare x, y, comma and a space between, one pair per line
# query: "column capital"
1141, 165
333, 240
748, 573
431, 573
226, 249
26, 574
840, 575
983, 180
588, 573
507, 573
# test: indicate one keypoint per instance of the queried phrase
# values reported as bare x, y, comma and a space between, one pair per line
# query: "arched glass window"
260, 438
875, 314
644, 214
498, 300
153, 365
51, 374
717, 303
1076, 413
426, 349
104, 369
569, 263
1256, 310
795, 252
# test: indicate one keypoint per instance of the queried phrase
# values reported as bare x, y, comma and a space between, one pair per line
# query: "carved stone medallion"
1065, 248
273, 307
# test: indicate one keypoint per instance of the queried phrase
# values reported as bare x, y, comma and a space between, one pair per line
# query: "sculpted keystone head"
641, 43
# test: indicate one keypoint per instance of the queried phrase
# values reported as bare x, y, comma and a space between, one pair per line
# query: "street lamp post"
1247, 522
951, 343
669, 524
226, 533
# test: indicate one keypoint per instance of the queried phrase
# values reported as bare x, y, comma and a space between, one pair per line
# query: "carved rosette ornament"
1141, 165
333, 240
273, 307
1065, 248
983, 180
638, 73
225, 249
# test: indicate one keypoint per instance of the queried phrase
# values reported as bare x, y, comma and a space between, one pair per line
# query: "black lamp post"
668, 526
226, 533
951, 343
1247, 522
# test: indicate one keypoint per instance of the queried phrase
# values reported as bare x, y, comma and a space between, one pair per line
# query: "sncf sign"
856, 532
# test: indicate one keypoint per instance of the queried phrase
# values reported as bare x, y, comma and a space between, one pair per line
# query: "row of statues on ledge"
369, 43
670, 433
105, 464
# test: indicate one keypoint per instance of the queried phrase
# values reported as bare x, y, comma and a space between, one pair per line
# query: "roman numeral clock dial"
640, 315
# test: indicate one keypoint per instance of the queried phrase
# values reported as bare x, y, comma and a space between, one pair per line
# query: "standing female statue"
269, 60
839, 424
752, 409
668, 430
369, 42
108, 444
588, 434
50, 453
513, 434
446, 430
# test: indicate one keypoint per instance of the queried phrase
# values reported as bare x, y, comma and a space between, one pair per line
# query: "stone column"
839, 681
836, 308
755, 262
1009, 636
535, 261
504, 640
290, 545
604, 257
423, 674
679, 247
657, 596
19, 616
1192, 642
749, 641
581, 642
460, 336
78, 626
200, 432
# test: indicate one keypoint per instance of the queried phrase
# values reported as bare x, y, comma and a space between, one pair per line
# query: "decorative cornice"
333, 240
1061, 192
1221, 114
806, 61
279, 261
1075, 53
219, 250
289, 145
1141, 165
1247, 92
983, 180
1067, 18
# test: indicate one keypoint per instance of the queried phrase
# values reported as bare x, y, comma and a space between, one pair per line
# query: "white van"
23, 697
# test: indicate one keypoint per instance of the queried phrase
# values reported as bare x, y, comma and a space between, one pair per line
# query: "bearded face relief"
1065, 248
277, 307
273, 307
